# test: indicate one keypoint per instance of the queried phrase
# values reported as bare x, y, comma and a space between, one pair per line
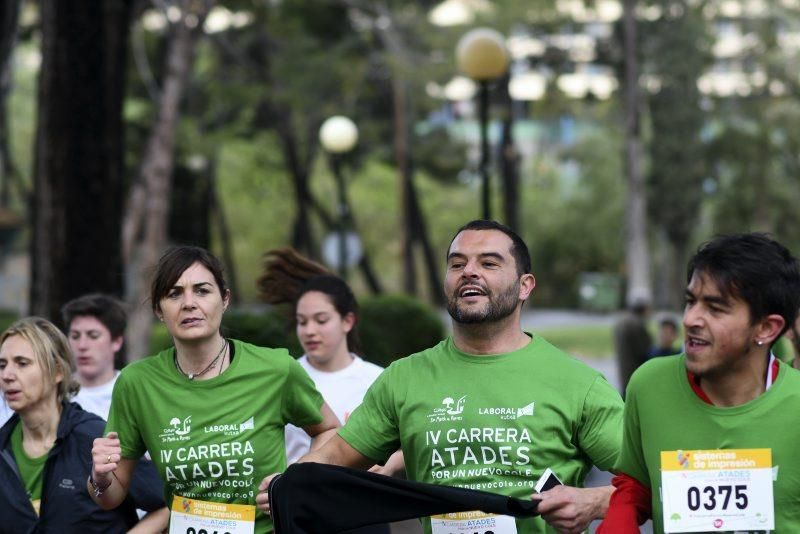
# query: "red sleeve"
629, 507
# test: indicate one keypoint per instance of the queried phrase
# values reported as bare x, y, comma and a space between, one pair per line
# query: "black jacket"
66, 506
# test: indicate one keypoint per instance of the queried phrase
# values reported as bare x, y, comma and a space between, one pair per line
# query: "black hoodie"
66, 506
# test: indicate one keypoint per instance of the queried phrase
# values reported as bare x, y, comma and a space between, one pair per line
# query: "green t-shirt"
31, 469
663, 413
491, 423
216, 439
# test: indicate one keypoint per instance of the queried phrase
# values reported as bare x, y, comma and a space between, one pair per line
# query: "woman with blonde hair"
45, 447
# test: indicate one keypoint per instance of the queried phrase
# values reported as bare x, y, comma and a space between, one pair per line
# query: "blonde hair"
51, 349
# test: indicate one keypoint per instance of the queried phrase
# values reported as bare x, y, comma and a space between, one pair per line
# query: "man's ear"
526, 284
769, 328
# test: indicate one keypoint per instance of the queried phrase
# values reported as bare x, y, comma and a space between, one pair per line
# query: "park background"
620, 135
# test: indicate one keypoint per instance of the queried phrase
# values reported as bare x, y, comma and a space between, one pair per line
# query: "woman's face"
193, 307
22, 378
322, 331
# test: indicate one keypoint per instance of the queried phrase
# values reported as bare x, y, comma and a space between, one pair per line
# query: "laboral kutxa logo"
508, 413
450, 410
178, 430
231, 430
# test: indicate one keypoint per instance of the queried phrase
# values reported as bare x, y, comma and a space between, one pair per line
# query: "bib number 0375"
717, 497
717, 490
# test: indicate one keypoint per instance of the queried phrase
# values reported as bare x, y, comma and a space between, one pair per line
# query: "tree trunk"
78, 165
509, 160
637, 257
414, 229
9, 15
218, 213
302, 239
156, 179
402, 157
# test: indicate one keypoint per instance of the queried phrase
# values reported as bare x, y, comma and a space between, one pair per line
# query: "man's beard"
494, 310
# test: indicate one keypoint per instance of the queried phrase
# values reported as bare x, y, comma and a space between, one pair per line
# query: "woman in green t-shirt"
210, 410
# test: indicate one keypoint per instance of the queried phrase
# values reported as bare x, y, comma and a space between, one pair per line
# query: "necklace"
191, 376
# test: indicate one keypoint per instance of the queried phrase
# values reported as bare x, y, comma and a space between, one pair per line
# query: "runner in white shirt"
325, 313
5, 412
97, 399
95, 325
343, 390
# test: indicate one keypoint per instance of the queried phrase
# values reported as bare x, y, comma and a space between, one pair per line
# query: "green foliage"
257, 198
7, 317
390, 327
677, 50
572, 219
266, 329
269, 328
394, 326
159, 338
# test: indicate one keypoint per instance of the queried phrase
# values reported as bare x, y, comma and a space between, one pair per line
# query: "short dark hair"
519, 250
669, 320
105, 308
754, 268
176, 260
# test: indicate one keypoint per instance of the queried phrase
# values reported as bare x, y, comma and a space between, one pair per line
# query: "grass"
586, 341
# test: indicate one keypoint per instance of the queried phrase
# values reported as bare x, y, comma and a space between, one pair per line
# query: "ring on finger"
108, 460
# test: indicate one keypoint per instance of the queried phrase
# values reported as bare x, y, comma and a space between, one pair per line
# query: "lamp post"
338, 136
481, 55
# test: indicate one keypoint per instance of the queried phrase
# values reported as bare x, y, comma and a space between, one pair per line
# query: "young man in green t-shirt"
711, 435
492, 407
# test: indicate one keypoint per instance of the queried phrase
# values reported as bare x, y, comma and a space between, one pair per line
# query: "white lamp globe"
338, 134
481, 54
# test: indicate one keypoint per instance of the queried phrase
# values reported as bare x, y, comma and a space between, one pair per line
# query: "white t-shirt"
343, 390
5, 412
97, 399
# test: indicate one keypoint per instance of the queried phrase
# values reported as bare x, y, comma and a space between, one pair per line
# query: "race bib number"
717, 490
473, 523
192, 516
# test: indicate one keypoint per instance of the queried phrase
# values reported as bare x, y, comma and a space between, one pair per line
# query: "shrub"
390, 327
265, 329
393, 326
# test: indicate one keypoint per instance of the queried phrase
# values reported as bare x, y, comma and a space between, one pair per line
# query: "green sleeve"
372, 428
600, 433
301, 402
631, 457
122, 420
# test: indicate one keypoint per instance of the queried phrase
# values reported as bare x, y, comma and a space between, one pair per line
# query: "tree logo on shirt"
450, 410
178, 430
454, 407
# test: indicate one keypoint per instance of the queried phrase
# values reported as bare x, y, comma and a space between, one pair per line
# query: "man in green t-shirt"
492, 407
711, 435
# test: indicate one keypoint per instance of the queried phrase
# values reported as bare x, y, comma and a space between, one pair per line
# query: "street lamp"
338, 136
481, 55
